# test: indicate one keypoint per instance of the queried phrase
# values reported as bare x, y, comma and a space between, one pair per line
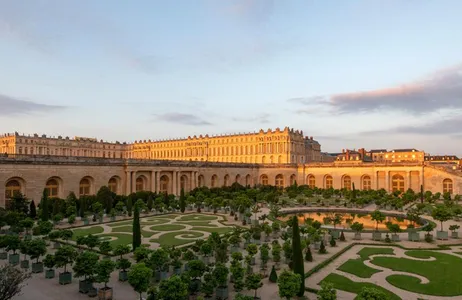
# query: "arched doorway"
52, 187
140, 184
279, 181
311, 181
328, 182
367, 183
264, 179
397, 183
12, 187
184, 184
226, 180
238, 179
214, 181
448, 186
164, 184
85, 186
113, 184
346, 183
201, 181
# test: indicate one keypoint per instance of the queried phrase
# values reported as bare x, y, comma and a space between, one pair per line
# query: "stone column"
153, 181
174, 182
409, 180
422, 178
133, 182
158, 181
128, 182
387, 181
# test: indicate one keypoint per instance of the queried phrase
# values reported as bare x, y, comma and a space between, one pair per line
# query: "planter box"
85, 286
442, 235
255, 223
413, 236
205, 260
113, 219
50, 273
357, 236
105, 293
234, 249
163, 275
13, 259
28, 237
316, 245
3, 255
256, 242
377, 236
25, 264
65, 278
177, 271
455, 235
86, 222
93, 292
56, 245
123, 276
222, 293
335, 234
395, 238
37, 267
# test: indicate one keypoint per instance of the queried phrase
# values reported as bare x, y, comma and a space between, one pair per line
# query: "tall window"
397, 183
311, 181
347, 183
12, 188
226, 181
238, 179
264, 179
112, 184
292, 179
84, 187
329, 182
280, 181
367, 183
447, 186
214, 182
139, 184
52, 187
201, 181
164, 182
247, 180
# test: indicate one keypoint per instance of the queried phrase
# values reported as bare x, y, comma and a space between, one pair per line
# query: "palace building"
29, 164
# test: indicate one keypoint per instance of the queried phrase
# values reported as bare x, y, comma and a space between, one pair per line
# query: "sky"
352, 74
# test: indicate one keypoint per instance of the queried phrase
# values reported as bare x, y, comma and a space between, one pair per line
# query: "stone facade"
61, 175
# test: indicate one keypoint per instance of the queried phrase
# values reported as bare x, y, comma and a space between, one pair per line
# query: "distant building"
353, 155
444, 159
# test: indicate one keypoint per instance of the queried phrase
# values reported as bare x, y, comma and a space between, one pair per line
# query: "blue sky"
373, 74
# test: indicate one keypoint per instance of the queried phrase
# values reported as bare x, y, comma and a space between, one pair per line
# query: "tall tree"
44, 206
32, 210
19, 204
421, 194
136, 228
297, 255
11, 281
129, 205
182, 201
55, 206
104, 196
150, 203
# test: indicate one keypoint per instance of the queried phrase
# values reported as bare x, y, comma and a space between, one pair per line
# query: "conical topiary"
332, 242
322, 248
342, 237
273, 276
308, 255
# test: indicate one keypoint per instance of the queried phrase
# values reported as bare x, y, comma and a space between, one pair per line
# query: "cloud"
263, 118
181, 118
14, 106
440, 90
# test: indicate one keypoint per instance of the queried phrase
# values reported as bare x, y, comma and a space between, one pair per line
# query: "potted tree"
412, 233
357, 228
206, 249
173, 288
429, 228
196, 270
37, 248
13, 244
454, 231
139, 278
104, 269
220, 273
122, 263
54, 236
264, 257
252, 250
442, 214
208, 286
24, 248
49, 262
3, 245
113, 214
378, 217
63, 257
159, 262
27, 224
85, 266
253, 282
394, 229
105, 248
234, 240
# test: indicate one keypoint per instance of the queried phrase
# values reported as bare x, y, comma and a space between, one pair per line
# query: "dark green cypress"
129, 206
273, 275
297, 255
150, 202
32, 210
136, 228
44, 206
308, 255
182, 201
421, 194
353, 194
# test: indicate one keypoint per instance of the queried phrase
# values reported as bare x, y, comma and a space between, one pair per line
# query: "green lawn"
345, 284
219, 230
357, 266
127, 228
168, 227
168, 239
86, 231
120, 223
198, 223
168, 216
443, 274
122, 239
196, 217
154, 221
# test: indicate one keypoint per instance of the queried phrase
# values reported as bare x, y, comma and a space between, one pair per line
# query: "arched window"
271, 159
280, 159
214, 182
263, 160
184, 183
293, 179
329, 182
238, 179
367, 183
264, 179
201, 181
140, 184
52, 187
397, 183
347, 183
12, 187
447, 186
311, 181
164, 184
247, 180
280, 181
112, 184
226, 181
84, 187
